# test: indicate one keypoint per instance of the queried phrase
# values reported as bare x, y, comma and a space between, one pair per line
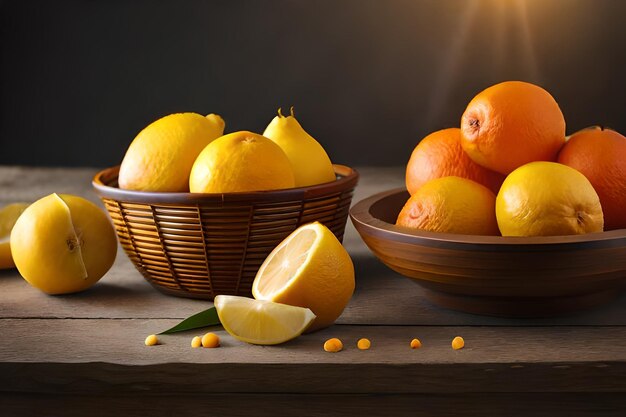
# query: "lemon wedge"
8, 216
261, 322
310, 269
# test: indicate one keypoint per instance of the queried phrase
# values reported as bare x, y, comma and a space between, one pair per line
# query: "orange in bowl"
511, 124
451, 205
600, 155
440, 154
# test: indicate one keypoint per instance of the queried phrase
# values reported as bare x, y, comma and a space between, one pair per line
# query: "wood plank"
132, 297
318, 405
382, 297
93, 356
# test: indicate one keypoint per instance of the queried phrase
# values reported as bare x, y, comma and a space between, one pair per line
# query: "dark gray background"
368, 78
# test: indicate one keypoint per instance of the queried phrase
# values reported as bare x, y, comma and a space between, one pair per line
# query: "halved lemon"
8, 216
309, 269
261, 322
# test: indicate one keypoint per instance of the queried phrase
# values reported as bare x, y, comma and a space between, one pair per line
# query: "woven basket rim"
105, 184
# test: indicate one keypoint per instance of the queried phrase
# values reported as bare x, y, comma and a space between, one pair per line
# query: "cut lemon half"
8, 216
310, 269
261, 322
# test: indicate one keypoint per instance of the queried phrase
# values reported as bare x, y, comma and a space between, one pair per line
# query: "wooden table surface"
84, 354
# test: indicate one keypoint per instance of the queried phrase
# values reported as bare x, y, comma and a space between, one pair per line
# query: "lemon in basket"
241, 162
310, 269
310, 163
261, 322
161, 156
8, 216
63, 244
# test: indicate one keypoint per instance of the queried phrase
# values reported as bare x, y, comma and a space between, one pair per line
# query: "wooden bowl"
495, 275
201, 245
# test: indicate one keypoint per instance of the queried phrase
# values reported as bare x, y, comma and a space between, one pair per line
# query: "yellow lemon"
261, 322
309, 269
451, 205
308, 158
161, 156
63, 244
8, 216
547, 199
240, 162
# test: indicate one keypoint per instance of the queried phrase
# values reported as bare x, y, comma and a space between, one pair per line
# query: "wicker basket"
202, 245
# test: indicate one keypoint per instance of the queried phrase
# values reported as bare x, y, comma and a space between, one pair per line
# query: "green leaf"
204, 318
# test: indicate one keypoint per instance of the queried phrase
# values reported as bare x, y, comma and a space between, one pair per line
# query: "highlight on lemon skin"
63, 244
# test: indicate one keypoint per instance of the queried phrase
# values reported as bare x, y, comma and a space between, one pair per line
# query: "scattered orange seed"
333, 345
196, 342
416, 344
151, 340
210, 340
363, 344
458, 343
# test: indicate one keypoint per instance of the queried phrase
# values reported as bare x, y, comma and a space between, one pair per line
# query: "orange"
600, 155
241, 162
451, 205
510, 124
547, 199
440, 154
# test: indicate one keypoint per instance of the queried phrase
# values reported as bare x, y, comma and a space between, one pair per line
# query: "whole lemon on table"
309, 269
547, 199
161, 156
63, 244
510, 124
241, 162
451, 205
8, 216
310, 162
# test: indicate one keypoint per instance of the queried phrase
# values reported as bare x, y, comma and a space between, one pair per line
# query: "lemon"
261, 322
310, 269
310, 162
8, 216
161, 156
240, 162
547, 199
63, 244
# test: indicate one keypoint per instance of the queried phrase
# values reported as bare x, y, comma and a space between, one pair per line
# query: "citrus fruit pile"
188, 152
510, 170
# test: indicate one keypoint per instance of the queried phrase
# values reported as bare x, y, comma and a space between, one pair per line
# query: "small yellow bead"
458, 343
416, 344
333, 345
196, 342
210, 340
363, 344
152, 340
